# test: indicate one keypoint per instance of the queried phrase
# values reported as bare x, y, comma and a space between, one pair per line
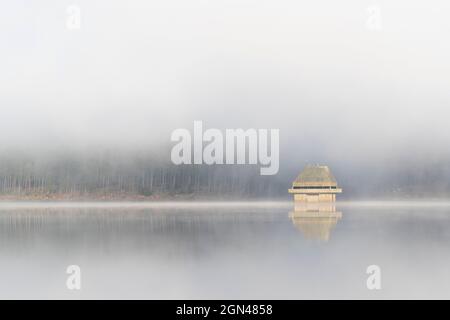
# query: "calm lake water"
224, 250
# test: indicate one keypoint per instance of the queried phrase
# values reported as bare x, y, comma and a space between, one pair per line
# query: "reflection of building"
315, 220
315, 184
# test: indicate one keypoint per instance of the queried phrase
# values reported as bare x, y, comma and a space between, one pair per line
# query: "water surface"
224, 250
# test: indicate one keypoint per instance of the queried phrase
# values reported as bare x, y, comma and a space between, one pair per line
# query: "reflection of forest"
315, 220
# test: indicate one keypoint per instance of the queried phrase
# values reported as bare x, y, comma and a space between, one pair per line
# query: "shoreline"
210, 203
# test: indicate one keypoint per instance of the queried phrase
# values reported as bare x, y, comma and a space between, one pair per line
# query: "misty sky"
337, 89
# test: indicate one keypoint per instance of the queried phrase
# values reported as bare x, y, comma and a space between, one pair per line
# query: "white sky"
136, 70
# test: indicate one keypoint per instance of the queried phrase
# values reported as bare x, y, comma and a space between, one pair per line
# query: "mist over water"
92, 90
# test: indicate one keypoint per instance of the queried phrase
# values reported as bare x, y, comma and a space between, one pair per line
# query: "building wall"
323, 197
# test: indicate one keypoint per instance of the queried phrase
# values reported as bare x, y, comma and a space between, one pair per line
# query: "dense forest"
112, 175
120, 175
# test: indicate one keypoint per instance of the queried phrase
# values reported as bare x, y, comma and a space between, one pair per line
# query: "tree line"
114, 173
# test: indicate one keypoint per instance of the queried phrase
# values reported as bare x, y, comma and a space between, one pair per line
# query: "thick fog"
359, 85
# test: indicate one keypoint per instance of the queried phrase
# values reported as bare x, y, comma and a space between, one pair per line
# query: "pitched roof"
315, 176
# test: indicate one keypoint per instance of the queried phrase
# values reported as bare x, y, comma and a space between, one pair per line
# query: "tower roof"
315, 176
